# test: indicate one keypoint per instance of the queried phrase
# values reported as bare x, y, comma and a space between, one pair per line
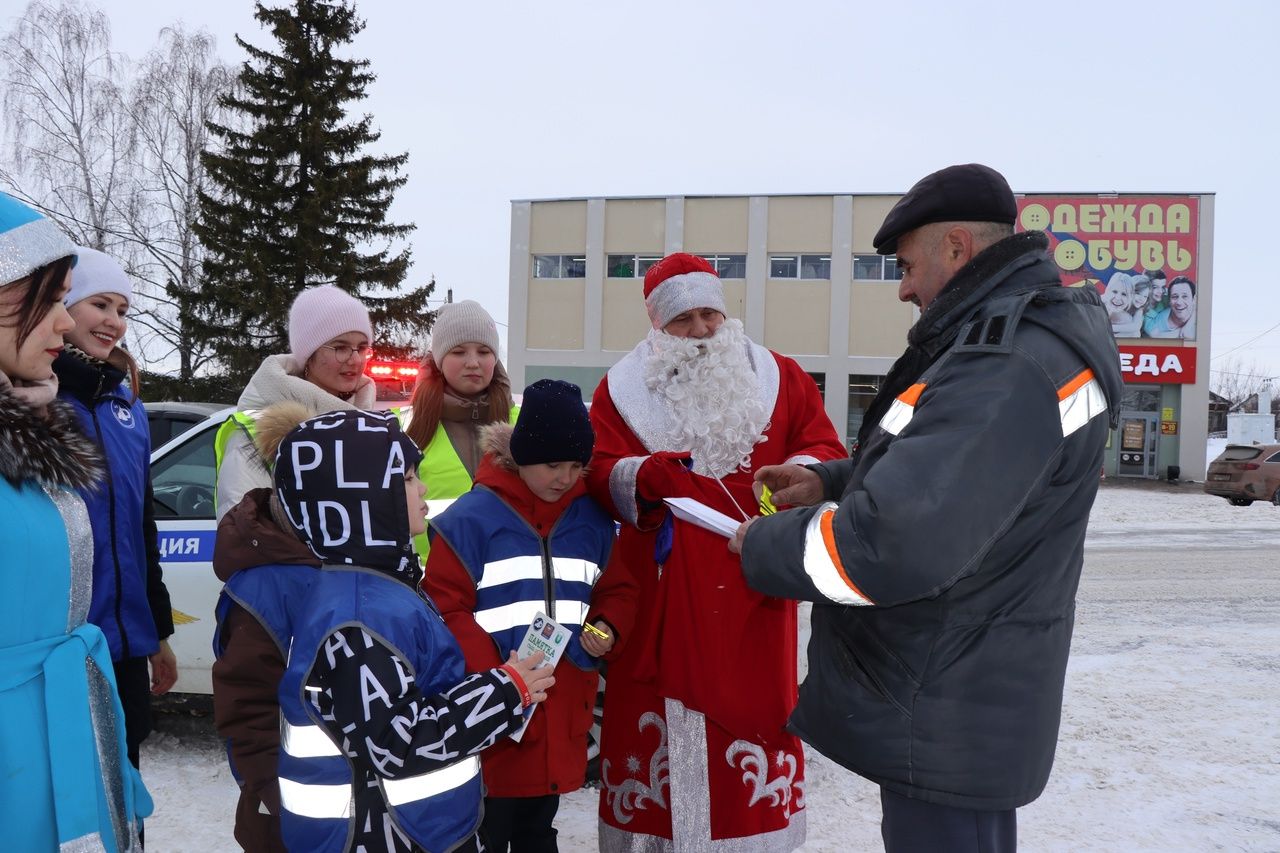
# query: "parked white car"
183, 477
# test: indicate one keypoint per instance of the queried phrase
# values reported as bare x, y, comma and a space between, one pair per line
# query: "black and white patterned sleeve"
369, 702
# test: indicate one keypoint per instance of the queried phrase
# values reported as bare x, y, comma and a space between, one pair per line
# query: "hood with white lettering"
340, 479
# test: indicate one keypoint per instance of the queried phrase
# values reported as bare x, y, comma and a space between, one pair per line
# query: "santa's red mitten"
663, 475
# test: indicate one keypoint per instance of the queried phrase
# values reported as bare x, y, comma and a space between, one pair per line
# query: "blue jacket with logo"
130, 602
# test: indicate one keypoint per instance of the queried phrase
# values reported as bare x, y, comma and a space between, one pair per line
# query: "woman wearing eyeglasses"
329, 338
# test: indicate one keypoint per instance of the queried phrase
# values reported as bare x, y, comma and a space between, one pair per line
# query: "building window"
559, 266
875, 268
862, 390
820, 379
630, 266
800, 266
728, 266
1140, 398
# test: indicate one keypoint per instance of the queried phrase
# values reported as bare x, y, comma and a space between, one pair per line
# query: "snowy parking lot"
1170, 736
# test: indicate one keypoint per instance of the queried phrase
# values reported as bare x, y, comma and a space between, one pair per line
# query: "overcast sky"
499, 101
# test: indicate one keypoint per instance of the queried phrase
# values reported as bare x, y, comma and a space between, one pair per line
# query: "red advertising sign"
1145, 365
1139, 251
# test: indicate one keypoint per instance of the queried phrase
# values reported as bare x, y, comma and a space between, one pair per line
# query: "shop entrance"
1138, 432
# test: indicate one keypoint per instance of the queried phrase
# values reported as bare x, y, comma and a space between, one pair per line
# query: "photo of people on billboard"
1139, 252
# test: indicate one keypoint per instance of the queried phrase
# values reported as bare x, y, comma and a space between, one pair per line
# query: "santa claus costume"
694, 753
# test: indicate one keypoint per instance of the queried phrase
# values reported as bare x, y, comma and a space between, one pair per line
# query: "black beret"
969, 193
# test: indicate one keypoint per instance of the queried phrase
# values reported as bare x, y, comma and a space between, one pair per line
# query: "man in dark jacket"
943, 558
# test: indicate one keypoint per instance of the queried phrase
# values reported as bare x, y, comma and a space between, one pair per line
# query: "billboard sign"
1138, 251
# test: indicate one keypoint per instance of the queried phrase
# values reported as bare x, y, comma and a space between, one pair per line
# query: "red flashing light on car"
392, 370
394, 379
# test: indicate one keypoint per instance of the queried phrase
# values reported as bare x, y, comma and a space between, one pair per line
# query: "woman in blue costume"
65, 780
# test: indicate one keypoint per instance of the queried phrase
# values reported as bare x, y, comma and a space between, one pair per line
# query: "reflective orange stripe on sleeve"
1076, 383
829, 539
822, 560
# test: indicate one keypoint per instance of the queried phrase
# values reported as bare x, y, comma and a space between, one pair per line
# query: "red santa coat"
703, 675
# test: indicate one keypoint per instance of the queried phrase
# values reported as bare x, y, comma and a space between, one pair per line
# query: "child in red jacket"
527, 540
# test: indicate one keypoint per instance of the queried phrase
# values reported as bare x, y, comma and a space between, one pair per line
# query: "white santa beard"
712, 394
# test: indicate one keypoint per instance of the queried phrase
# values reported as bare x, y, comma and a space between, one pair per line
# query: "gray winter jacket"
945, 563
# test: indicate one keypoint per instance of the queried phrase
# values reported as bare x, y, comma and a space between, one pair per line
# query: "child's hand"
537, 679
597, 647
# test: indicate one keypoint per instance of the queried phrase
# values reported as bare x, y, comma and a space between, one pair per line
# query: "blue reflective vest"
271, 594
518, 573
437, 809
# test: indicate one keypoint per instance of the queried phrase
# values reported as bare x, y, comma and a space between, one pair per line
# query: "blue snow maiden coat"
66, 781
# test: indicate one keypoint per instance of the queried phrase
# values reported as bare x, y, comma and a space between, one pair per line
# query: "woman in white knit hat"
462, 386
329, 340
99, 380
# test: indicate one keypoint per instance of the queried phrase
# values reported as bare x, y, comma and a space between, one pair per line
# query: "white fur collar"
280, 378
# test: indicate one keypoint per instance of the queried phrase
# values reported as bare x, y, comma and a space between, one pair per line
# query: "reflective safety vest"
271, 594
518, 573
246, 421
443, 472
437, 809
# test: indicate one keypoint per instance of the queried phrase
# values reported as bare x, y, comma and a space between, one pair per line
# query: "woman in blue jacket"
65, 783
99, 380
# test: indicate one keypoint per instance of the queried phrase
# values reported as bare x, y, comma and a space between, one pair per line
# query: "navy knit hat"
553, 425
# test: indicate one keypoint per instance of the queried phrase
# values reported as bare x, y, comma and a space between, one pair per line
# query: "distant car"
1245, 473
170, 420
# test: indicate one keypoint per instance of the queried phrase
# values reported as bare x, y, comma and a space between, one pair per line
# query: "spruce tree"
296, 199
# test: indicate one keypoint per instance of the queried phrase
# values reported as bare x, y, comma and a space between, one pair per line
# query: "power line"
1246, 343
1245, 375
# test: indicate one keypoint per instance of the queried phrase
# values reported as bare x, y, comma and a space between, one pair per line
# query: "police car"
183, 477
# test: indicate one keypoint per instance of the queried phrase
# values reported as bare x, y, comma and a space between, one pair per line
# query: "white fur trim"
622, 487
802, 459
682, 293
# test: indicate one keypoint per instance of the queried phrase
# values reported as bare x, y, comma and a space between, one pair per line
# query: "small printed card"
549, 637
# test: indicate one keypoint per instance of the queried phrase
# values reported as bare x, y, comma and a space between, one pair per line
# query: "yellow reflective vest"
443, 472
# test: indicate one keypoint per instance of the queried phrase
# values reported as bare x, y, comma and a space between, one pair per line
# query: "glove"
663, 475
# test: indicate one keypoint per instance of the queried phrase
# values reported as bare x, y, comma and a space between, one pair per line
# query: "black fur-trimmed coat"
49, 449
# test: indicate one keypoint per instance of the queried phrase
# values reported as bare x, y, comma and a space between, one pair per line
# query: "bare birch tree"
70, 136
175, 94
112, 153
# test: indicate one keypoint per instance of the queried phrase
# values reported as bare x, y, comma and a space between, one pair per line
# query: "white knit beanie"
320, 314
460, 323
96, 273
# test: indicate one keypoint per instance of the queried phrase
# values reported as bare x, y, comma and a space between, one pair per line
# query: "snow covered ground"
1170, 735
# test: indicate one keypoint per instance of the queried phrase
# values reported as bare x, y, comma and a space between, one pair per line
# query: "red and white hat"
678, 283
